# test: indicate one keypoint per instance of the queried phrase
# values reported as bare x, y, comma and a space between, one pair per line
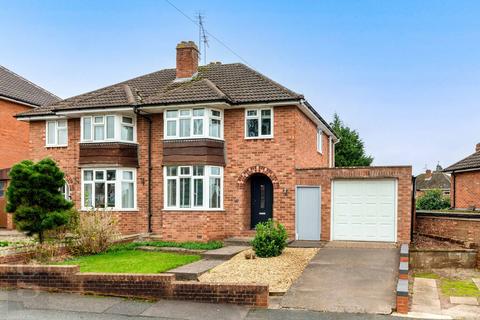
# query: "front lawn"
211, 245
131, 261
457, 285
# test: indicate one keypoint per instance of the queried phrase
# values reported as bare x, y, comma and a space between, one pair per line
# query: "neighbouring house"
207, 152
17, 95
465, 181
431, 181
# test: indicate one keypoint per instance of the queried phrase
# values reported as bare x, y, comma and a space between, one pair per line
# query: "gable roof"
471, 162
438, 180
232, 83
15, 87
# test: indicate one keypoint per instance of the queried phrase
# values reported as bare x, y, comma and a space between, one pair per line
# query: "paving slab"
224, 253
463, 312
425, 296
129, 307
477, 282
472, 301
195, 311
356, 280
193, 270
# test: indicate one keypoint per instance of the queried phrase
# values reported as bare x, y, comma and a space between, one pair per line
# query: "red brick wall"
13, 134
275, 157
323, 177
151, 286
467, 230
306, 154
467, 190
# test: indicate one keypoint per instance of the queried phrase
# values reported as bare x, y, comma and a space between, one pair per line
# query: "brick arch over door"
255, 170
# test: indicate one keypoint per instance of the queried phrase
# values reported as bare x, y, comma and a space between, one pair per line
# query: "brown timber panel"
111, 153
198, 151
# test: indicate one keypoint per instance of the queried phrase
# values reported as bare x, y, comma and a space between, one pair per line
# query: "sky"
405, 74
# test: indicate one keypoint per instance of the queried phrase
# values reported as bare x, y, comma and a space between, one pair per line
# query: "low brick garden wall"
146, 286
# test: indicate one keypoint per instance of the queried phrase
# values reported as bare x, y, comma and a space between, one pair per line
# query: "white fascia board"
161, 108
317, 121
93, 110
19, 102
40, 118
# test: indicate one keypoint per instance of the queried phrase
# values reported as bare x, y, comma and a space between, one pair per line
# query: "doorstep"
224, 253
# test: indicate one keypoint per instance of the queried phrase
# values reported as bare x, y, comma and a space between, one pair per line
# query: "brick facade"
465, 189
324, 176
148, 286
275, 158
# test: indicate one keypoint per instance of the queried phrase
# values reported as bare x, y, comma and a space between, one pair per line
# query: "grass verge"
452, 287
131, 261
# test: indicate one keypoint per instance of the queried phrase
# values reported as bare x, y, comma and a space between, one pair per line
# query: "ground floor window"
193, 187
109, 188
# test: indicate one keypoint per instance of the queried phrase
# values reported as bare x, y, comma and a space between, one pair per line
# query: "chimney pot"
477, 147
187, 59
429, 173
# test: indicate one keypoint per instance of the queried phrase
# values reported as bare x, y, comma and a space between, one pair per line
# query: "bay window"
193, 123
109, 188
193, 187
57, 133
108, 128
258, 123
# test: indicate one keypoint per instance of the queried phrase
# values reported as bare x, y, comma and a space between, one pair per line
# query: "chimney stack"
187, 59
477, 147
429, 173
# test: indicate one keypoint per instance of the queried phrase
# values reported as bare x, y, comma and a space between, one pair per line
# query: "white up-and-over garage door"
364, 210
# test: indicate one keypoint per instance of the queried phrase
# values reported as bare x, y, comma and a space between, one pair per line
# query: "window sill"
191, 210
57, 146
110, 210
259, 138
108, 141
193, 138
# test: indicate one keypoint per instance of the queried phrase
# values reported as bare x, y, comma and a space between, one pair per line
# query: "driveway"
343, 279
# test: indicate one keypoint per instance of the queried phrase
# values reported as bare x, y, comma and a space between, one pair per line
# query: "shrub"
93, 232
34, 197
270, 239
4, 243
433, 200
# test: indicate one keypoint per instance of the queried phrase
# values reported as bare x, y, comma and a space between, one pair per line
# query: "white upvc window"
193, 123
194, 187
320, 140
105, 128
109, 188
56, 133
259, 123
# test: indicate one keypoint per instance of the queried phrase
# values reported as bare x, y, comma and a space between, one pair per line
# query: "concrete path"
425, 296
224, 253
194, 270
32, 305
345, 279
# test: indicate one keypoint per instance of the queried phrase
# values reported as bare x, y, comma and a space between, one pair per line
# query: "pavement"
345, 279
37, 305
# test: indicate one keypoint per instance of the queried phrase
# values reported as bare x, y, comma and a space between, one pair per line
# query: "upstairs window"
57, 133
193, 123
320, 140
259, 123
108, 128
193, 187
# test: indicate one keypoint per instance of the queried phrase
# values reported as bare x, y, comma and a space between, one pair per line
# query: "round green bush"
433, 200
270, 239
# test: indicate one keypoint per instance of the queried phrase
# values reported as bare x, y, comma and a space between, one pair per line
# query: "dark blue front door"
262, 199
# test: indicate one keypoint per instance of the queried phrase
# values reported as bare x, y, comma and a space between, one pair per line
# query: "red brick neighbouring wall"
148, 286
455, 228
324, 176
277, 158
467, 190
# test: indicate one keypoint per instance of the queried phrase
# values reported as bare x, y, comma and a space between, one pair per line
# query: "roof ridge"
30, 82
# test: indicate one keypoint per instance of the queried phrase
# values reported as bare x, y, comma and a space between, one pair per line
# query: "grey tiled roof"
15, 87
470, 162
232, 83
438, 180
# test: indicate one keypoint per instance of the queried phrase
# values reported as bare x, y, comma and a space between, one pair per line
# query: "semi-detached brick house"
17, 94
207, 152
465, 181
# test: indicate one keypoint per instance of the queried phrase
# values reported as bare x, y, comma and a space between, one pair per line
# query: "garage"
364, 210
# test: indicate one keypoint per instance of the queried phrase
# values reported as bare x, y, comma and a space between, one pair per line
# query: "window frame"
258, 117
320, 141
117, 130
3, 188
191, 175
206, 118
56, 129
118, 187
